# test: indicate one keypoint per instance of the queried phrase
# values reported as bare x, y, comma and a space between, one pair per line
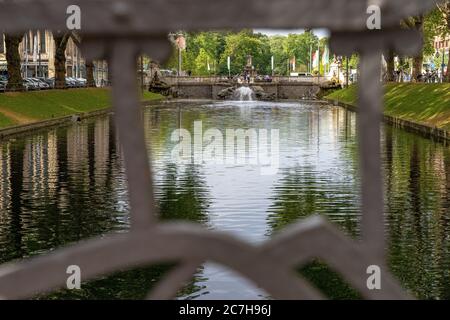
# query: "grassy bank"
27, 107
427, 104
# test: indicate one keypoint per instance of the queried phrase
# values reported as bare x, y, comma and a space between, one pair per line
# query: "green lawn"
24, 107
5, 121
424, 103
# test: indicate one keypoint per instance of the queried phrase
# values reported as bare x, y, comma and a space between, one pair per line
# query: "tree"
300, 47
416, 23
444, 30
390, 66
213, 43
13, 60
90, 74
61, 40
90, 81
203, 62
241, 45
279, 54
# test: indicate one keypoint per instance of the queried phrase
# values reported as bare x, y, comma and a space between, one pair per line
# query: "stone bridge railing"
174, 80
121, 30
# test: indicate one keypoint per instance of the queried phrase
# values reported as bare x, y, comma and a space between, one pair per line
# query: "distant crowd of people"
247, 78
429, 76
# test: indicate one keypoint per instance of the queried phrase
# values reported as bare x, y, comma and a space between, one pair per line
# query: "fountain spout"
243, 94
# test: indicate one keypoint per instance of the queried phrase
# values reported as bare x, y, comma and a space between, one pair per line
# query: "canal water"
67, 184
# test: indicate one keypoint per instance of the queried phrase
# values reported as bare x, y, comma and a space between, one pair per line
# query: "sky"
321, 33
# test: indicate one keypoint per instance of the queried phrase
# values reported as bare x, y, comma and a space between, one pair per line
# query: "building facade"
441, 44
442, 48
37, 52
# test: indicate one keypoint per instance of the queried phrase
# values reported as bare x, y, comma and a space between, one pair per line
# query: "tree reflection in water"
60, 186
300, 194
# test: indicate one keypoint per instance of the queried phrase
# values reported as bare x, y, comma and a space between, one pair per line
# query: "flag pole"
318, 57
310, 58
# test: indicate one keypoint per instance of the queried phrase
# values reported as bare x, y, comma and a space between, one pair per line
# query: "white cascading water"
243, 94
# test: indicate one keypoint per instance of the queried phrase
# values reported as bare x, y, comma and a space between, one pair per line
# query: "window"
42, 41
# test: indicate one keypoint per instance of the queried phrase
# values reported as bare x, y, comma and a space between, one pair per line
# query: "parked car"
41, 84
167, 73
33, 84
3, 85
49, 81
79, 82
75, 82
82, 81
70, 83
28, 85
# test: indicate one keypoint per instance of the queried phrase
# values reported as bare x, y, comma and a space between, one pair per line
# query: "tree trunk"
417, 66
90, 74
60, 59
390, 67
13, 61
418, 60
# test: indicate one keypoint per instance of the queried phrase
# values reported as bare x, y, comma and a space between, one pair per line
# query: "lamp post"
310, 59
142, 74
346, 72
179, 61
272, 64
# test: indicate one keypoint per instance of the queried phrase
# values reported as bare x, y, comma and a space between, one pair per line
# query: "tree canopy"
207, 52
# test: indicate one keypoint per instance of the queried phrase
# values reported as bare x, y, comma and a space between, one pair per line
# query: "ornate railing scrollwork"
121, 31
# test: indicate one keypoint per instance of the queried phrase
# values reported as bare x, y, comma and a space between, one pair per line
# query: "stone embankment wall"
288, 90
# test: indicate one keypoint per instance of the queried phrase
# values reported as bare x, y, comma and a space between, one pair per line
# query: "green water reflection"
68, 184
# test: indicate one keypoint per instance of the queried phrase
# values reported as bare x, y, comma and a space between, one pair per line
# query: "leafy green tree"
202, 62
213, 43
416, 23
435, 23
215, 47
443, 29
277, 48
300, 47
210, 45
239, 46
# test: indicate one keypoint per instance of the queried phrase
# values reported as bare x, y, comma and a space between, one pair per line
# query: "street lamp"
346, 72
443, 65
